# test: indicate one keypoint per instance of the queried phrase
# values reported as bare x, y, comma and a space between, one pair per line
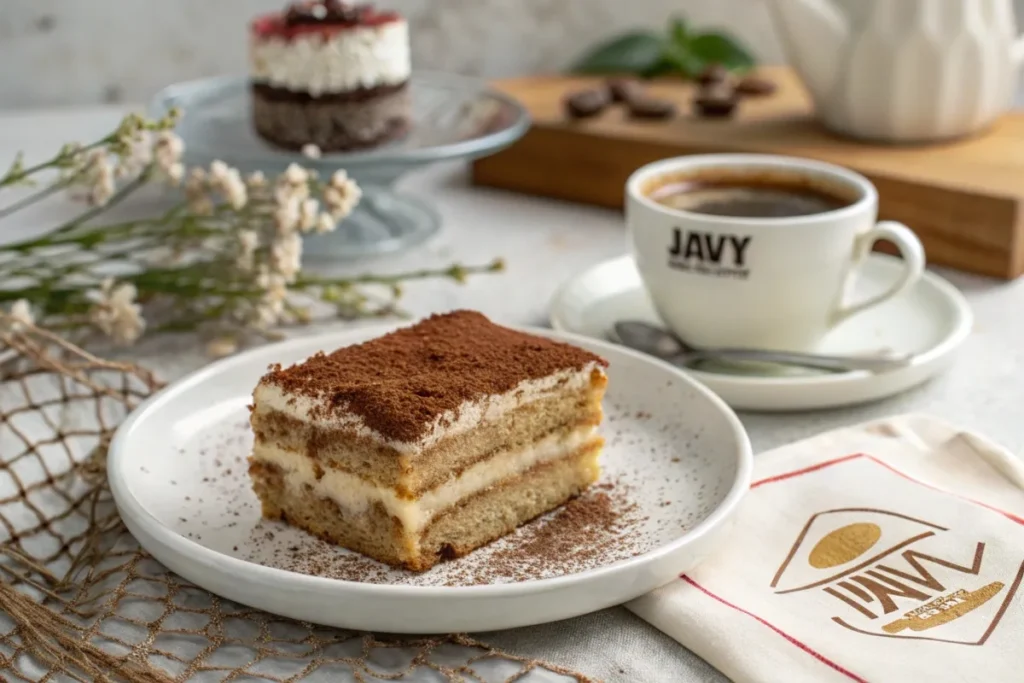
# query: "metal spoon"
663, 344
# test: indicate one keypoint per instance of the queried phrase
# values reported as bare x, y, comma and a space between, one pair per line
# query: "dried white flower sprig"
226, 260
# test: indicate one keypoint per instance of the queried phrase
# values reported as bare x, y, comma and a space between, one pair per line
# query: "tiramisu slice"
428, 442
330, 74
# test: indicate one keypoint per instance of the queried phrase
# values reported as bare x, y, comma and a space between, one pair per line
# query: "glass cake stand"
454, 117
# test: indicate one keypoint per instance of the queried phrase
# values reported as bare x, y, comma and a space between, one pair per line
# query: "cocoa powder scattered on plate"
582, 533
585, 533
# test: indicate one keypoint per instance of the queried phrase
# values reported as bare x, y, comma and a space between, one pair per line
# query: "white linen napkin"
889, 551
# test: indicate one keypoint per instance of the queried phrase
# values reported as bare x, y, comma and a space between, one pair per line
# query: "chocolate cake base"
333, 122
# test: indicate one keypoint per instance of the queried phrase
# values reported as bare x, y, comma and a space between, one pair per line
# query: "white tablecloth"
544, 243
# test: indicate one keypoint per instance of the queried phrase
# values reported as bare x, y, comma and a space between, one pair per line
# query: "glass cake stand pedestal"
453, 118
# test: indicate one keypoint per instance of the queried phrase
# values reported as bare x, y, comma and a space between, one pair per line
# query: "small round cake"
330, 74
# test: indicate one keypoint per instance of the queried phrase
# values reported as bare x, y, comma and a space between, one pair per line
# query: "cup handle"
913, 264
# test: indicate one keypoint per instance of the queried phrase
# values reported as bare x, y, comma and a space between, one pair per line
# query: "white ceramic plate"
930, 321
677, 463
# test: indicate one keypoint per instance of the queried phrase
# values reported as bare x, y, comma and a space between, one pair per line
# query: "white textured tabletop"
544, 243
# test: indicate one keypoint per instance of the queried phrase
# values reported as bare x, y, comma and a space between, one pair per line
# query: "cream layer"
355, 494
360, 57
468, 416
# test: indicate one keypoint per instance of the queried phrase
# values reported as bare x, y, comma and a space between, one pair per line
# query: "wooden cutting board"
963, 198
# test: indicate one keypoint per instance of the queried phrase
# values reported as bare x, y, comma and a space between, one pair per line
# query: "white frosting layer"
355, 494
360, 57
469, 415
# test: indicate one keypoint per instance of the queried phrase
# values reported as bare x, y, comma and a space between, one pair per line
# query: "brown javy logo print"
895, 576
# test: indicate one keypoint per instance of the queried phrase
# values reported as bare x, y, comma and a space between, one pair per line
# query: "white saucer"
929, 321
676, 464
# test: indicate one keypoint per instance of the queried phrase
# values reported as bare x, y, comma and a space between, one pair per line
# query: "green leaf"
662, 67
678, 31
719, 48
634, 52
683, 60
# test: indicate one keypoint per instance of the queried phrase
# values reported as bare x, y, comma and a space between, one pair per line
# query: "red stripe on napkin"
1004, 513
817, 655
845, 458
812, 468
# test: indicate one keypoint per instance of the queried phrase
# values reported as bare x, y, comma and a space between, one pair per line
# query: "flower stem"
53, 161
135, 228
118, 197
456, 272
33, 198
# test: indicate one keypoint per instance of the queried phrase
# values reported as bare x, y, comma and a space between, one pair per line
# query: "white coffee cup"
773, 283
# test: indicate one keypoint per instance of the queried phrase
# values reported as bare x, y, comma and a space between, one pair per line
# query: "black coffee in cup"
756, 196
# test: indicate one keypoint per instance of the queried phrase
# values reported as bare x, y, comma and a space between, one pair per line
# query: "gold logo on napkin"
872, 564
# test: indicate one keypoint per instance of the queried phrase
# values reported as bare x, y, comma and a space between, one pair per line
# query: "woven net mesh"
80, 600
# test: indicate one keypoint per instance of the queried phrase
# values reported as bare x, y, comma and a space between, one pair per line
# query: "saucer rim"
964, 323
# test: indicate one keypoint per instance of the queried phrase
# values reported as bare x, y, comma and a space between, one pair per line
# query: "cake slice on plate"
430, 441
330, 74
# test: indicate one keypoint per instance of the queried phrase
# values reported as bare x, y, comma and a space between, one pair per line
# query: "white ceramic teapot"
903, 70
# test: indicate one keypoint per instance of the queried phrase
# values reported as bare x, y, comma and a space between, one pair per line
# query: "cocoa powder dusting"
401, 382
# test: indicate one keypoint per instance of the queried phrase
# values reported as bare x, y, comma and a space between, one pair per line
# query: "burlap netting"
79, 600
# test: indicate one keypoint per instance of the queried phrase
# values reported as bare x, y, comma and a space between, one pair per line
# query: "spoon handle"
808, 360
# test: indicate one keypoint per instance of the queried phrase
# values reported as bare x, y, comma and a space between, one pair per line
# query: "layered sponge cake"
330, 74
430, 441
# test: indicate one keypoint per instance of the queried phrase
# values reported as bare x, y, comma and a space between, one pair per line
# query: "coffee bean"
715, 101
716, 73
585, 103
754, 86
624, 89
711, 108
651, 108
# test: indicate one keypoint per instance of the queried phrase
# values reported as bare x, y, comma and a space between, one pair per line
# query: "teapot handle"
1017, 51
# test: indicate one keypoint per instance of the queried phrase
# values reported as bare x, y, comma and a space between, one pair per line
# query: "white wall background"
57, 52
